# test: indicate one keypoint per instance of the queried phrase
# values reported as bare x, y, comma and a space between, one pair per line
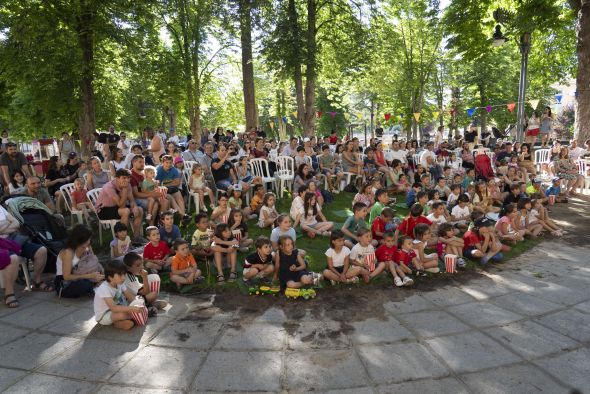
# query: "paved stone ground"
521, 327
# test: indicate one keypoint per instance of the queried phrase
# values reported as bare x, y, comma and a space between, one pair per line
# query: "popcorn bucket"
370, 260
237, 234
451, 263
163, 192
154, 282
551, 199
140, 318
224, 218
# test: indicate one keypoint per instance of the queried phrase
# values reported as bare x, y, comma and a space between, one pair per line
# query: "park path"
519, 327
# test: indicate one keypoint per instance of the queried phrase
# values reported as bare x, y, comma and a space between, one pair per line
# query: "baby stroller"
39, 225
483, 167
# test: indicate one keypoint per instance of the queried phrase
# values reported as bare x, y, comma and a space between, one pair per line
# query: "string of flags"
417, 115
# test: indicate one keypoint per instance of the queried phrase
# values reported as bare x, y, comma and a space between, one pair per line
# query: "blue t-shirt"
410, 198
553, 191
170, 237
169, 175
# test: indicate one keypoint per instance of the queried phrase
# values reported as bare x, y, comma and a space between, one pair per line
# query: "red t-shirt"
385, 253
136, 179
407, 225
404, 257
378, 225
333, 139
79, 196
380, 158
471, 239
151, 252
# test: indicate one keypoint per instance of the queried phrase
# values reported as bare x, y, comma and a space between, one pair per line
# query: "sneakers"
333, 282
186, 218
353, 280
317, 278
407, 281
398, 281
461, 263
148, 216
434, 270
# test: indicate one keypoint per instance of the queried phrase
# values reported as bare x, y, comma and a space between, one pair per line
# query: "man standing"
169, 176
116, 202
13, 160
141, 197
123, 144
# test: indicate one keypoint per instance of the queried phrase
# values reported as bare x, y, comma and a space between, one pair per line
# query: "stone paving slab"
37, 315
514, 379
397, 363
141, 334
433, 323
413, 303
160, 367
323, 369
426, 386
525, 304
34, 349
258, 336
448, 296
571, 367
9, 376
471, 351
188, 334
92, 359
314, 335
483, 314
10, 333
109, 389
79, 323
223, 371
531, 340
379, 331
571, 323
36, 383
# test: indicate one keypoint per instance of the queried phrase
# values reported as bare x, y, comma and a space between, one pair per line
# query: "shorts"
246, 270
109, 213
29, 249
142, 202
339, 269
294, 276
106, 319
223, 184
247, 179
532, 132
468, 251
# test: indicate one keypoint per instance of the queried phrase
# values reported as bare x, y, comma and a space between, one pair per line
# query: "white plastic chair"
542, 158
259, 167
67, 190
416, 158
584, 167
24, 264
93, 197
285, 174
186, 175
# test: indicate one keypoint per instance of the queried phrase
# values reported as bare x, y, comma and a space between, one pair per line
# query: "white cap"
306, 139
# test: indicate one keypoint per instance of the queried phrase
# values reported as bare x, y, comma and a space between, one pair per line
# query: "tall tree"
582, 103
250, 106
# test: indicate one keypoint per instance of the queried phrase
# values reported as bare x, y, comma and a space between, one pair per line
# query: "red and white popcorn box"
140, 318
451, 263
551, 199
237, 233
163, 192
154, 282
370, 260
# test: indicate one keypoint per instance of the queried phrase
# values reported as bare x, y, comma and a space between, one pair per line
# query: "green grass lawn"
337, 211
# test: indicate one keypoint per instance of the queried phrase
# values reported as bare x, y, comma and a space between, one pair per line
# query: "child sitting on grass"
380, 223
239, 229
184, 266
169, 232
422, 236
449, 243
290, 266
363, 255
381, 201
156, 252
415, 217
387, 253
297, 205
257, 199
225, 249
120, 244
221, 213
461, 213
481, 242
111, 299
259, 265
309, 220
134, 264
339, 267
201, 241
354, 224
268, 213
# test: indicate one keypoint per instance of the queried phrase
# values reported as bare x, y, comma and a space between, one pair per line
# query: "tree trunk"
484, 113
187, 67
297, 74
84, 29
250, 109
582, 104
310, 71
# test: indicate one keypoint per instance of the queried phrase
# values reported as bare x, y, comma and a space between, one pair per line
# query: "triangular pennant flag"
435, 114
319, 114
417, 116
332, 114
401, 116
511, 107
284, 119
558, 97
470, 112
359, 115
387, 117
295, 114
489, 108
272, 125
347, 116
534, 103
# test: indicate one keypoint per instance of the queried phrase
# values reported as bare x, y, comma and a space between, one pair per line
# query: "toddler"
422, 235
201, 241
363, 255
387, 253
80, 199
290, 267
149, 184
198, 185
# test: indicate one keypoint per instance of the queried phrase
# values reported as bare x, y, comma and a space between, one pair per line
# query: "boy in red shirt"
155, 253
407, 225
387, 253
378, 226
407, 258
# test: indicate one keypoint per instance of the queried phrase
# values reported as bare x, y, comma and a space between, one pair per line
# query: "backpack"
350, 188
328, 198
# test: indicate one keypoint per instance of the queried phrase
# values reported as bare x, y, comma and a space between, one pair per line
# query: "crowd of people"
456, 208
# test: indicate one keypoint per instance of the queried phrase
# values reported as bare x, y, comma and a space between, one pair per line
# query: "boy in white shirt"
461, 214
363, 255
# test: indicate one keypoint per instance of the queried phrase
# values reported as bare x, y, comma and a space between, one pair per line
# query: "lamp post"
525, 48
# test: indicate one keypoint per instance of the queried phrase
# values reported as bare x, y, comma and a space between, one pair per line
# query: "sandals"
232, 276
42, 286
220, 279
13, 303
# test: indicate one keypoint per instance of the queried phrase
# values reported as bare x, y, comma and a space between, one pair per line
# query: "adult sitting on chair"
116, 202
170, 177
35, 190
223, 171
142, 197
9, 228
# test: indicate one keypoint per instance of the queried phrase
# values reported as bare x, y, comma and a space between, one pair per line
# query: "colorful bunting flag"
272, 125
435, 114
470, 112
511, 107
417, 116
387, 117
534, 103
319, 114
332, 114
295, 114
558, 97
347, 116
489, 108
284, 119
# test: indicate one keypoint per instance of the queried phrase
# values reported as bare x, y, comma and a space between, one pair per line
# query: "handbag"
87, 265
7, 247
